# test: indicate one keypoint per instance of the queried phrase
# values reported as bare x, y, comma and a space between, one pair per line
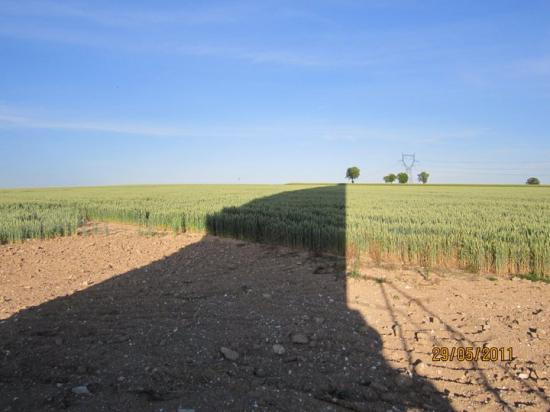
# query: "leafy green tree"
533, 181
390, 178
352, 173
423, 177
402, 177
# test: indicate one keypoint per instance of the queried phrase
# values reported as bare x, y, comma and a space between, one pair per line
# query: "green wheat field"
498, 229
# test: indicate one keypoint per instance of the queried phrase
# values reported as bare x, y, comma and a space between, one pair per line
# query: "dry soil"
113, 319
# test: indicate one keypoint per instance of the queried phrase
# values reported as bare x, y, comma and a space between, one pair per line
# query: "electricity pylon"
409, 160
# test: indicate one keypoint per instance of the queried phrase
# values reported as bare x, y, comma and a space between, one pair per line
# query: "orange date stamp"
471, 354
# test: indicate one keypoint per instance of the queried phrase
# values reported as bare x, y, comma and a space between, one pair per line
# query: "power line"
463, 172
519, 168
513, 169
485, 161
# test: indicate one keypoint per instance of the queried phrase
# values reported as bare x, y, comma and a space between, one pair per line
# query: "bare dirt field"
120, 321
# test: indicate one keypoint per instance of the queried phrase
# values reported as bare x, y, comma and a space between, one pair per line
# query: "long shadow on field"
150, 339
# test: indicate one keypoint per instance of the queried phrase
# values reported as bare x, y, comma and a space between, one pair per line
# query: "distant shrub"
423, 177
390, 178
533, 181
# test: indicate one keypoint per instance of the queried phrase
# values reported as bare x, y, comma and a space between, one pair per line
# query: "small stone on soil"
81, 390
260, 372
279, 349
420, 368
299, 338
403, 381
229, 353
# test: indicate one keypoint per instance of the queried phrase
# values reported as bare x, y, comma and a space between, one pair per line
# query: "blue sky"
267, 91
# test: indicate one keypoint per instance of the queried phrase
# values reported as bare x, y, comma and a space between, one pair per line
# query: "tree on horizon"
403, 177
390, 178
423, 177
353, 173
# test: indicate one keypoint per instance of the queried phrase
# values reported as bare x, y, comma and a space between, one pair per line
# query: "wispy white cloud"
158, 30
118, 17
539, 66
256, 55
456, 135
11, 121
419, 137
153, 31
7, 119
16, 118
277, 56
259, 131
314, 131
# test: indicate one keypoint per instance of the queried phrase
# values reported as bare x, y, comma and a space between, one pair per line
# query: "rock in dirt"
299, 338
81, 390
379, 387
229, 354
420, 367
523, 375
279, 349
370, 395
403, 381
260, 372
389, 397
